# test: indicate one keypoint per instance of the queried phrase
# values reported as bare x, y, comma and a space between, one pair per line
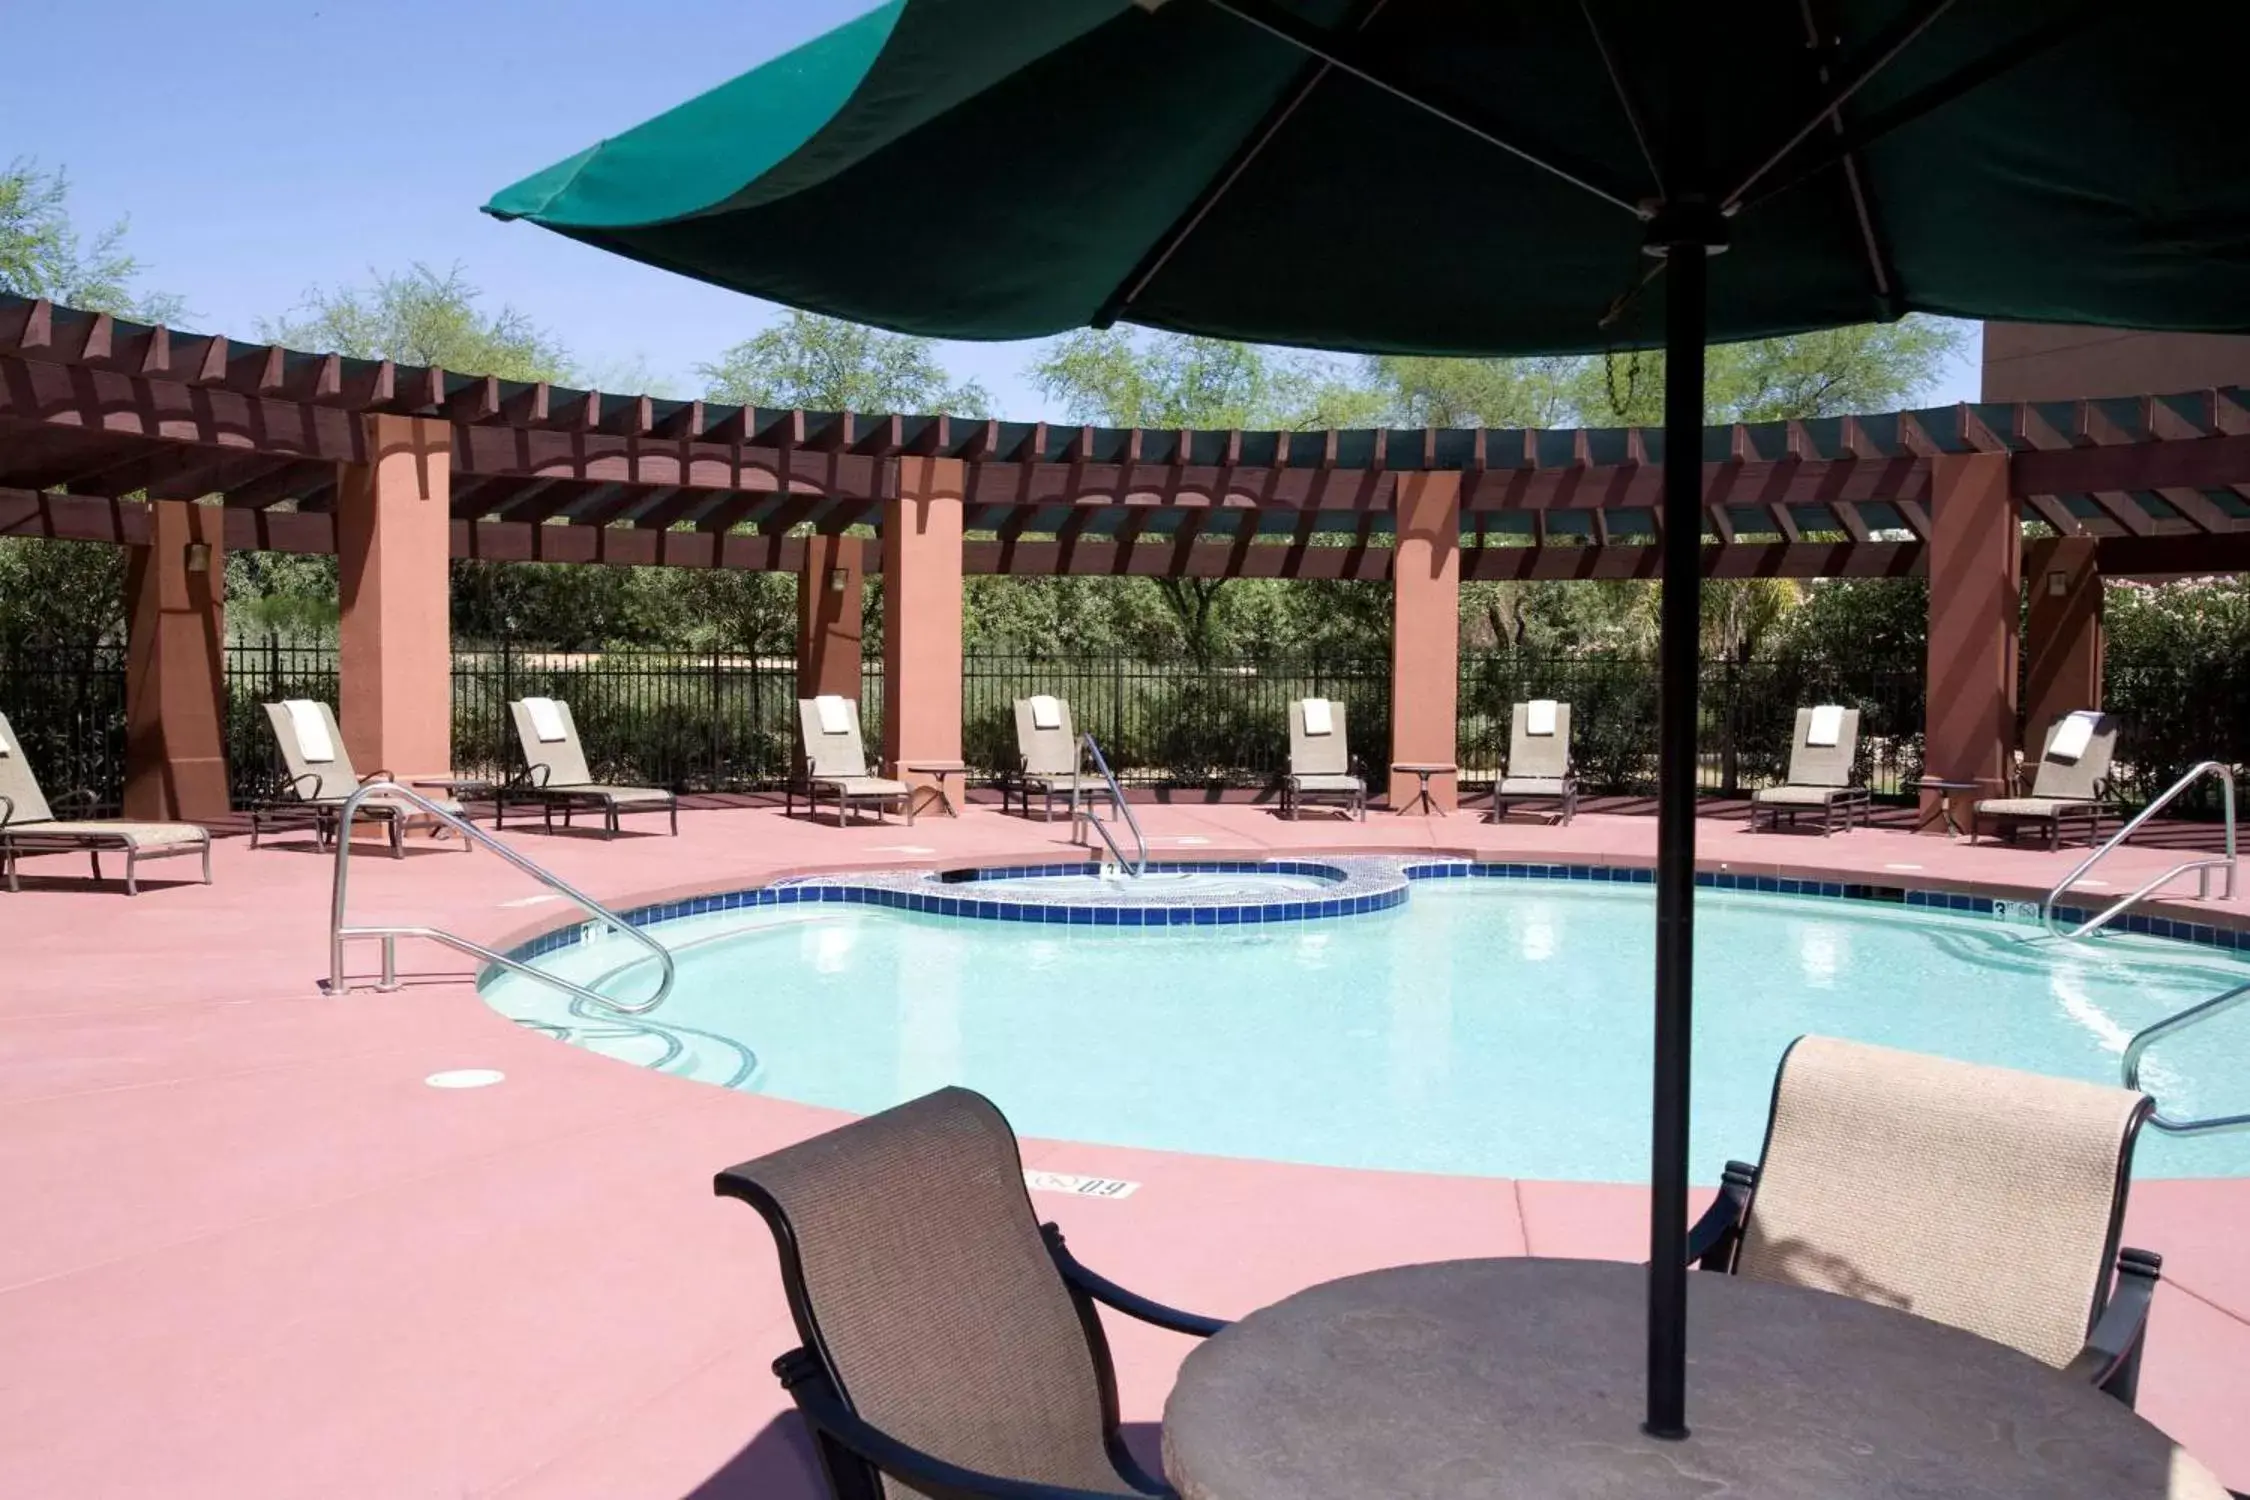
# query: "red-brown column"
1425, 630
922, 614
1973, 554
2062, 666
828, 616
395, 638
175, 666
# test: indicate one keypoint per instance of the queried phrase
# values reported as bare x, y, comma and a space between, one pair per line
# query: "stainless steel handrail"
2203, 867
339, 934
2149, 1035
1136, 866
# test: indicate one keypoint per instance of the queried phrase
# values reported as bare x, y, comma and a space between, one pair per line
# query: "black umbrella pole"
1678, 651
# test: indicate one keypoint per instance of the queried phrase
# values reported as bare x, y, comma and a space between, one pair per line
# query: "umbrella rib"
1115, 305
1878, 264
1624, 98
1937, 95
1341, 54
1887, 51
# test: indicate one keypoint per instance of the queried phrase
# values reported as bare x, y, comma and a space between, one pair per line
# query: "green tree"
422, 317
43, 253
827, 364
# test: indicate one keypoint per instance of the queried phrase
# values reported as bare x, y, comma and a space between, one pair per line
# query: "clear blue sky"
263, 148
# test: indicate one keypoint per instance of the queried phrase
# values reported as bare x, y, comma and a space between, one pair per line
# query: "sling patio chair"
555, 773
1321, 764
319, 779
1981, 1197
1539, 771
28, 825
1820, 773
836, 763
2070, 788
1047, 754
950, 1343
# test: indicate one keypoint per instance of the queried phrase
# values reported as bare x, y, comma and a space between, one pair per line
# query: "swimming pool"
1490, 1026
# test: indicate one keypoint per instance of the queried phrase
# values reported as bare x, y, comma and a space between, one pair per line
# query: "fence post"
717, 707
1730, 762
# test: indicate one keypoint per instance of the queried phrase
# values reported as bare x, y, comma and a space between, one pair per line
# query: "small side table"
456, 789
1424, 769
1946, 788
940, 769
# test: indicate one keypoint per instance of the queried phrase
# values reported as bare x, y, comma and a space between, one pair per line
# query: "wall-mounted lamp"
2058, 584
837, 579
199, 557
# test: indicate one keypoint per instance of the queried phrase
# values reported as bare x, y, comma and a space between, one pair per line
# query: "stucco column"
1973, 553
175, 666
1425, 630
922, 614
828, 616
395, 638
2062, 667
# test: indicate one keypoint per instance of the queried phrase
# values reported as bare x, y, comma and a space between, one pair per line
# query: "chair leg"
207, 861
398, 835
132, 875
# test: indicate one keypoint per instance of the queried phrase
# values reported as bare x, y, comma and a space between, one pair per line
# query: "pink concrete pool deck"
251, 1254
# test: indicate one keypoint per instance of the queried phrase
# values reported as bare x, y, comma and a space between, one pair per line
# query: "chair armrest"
7, 809
926, 1472
2112, 1349
1712, 1242
1110, 1294
82, 796
303, 787
376, 776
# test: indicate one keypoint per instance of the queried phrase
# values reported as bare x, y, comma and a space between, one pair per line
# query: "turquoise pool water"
1495, 1027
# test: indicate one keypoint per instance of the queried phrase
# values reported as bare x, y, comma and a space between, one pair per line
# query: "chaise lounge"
1047, 754
1539, 771
2069, 789
1821, 757
1321, 766
1981, 1197
556, 775
321, 778
836, 762
949, 1342
28, 825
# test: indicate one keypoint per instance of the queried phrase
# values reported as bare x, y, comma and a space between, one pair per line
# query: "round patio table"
1522, 1378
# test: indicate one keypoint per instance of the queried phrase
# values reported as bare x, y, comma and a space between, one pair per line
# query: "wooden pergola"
123, 432
94, 409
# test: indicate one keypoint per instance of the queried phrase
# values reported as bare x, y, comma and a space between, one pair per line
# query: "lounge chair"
28, 825
1820, 774
2069, 789
321, 778
1539, 770
1320, 761
950, 1343
1976, 1196
836, 762
555, 773
1047, 756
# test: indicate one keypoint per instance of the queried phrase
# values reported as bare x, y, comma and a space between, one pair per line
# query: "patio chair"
1539, 771
2068, 791
1321, 764
321, 777
1820, 774
836, 762
1046, 756
950, 1343
555, 773
1976, 1196
28, 825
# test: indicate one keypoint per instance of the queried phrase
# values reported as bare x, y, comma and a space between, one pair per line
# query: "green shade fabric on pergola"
1008, 168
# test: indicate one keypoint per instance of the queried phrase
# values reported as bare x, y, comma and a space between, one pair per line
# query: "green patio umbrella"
1469, 177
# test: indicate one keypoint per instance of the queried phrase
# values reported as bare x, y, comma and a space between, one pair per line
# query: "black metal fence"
67, 707
259, 673
2172, 712
1175, 724
1746, 716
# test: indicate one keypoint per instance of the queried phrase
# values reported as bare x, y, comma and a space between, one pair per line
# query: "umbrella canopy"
1469, 177
996, 169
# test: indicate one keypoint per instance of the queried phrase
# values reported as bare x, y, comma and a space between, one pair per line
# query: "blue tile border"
1361, 885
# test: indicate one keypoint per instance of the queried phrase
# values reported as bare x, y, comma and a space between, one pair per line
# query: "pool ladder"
1088, 813
339, 933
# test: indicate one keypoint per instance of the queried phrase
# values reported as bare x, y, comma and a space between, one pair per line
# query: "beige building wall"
2057, 362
